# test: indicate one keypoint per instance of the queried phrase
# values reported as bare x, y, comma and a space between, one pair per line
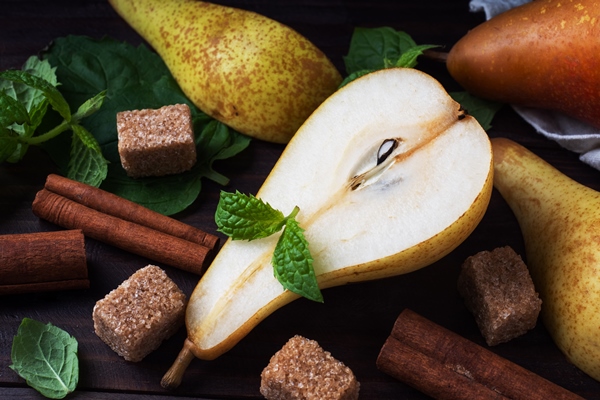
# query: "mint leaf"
51, 93
9, 146
135, 78
293, 264
378, 48
372, 49
90, 106
33, 99
12, 111
86, 163
408, 59
23, 110
46, 357
355, 75
245, 217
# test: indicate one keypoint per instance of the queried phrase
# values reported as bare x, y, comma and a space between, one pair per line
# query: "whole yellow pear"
560, 222
250, 72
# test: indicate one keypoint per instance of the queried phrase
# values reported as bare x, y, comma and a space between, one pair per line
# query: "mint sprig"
245, 217
24, 99
46, 357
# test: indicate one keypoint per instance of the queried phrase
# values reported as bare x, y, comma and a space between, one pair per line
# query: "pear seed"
386, 148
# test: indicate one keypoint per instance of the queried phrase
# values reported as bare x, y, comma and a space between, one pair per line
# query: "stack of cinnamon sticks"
447, 366
111, 219
56, 260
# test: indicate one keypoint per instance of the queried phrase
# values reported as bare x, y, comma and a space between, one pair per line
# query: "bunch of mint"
25, 96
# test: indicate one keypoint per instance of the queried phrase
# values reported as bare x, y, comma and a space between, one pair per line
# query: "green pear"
250, 72
381, 176
544, 54
560, 222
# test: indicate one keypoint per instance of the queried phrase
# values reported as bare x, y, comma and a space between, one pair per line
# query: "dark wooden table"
356, 319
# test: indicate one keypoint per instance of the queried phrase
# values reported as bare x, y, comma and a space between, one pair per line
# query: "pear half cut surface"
390, 175
560, 222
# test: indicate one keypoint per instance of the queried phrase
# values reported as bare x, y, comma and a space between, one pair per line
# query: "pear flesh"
543, 54
560, 222
390, 175
250, 72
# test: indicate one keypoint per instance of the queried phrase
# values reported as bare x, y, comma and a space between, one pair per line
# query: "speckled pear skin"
560, 222
543, 54
250, 72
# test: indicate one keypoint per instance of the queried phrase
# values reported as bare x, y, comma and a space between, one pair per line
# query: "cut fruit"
390, 175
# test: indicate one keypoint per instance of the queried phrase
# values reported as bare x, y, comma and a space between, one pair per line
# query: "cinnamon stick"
445, 365
111, 204
42, 261
126, 235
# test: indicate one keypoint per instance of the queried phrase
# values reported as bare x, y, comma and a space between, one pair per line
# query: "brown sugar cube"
498, 290
137, 316
156, 142
303, 370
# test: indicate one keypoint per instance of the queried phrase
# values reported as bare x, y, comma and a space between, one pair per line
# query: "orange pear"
544, 54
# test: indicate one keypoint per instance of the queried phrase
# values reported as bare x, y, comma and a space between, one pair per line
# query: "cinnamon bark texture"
43, 261
445, 365
111, 204
113, 220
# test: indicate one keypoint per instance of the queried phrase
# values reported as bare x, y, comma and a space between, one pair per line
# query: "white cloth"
570, 133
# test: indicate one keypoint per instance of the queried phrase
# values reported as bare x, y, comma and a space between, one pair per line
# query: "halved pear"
390, 175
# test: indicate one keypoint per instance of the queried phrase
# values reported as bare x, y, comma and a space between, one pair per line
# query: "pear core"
418, 204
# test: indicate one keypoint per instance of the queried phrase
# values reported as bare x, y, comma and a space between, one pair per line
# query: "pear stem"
174, 375
435, 55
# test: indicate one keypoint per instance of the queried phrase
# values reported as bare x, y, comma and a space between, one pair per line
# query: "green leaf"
46, 357
293, 264
245, 217
21, 110
355, 75
91, 106
482, 110
31, 97
51, 93
240, 216
408, 59
9, 146
217, 142
135, 78
86, 163
371, 48
11, 111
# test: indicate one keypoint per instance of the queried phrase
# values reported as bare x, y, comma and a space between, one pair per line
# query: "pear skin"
250, 72
560, 222
364, 215
544, 54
